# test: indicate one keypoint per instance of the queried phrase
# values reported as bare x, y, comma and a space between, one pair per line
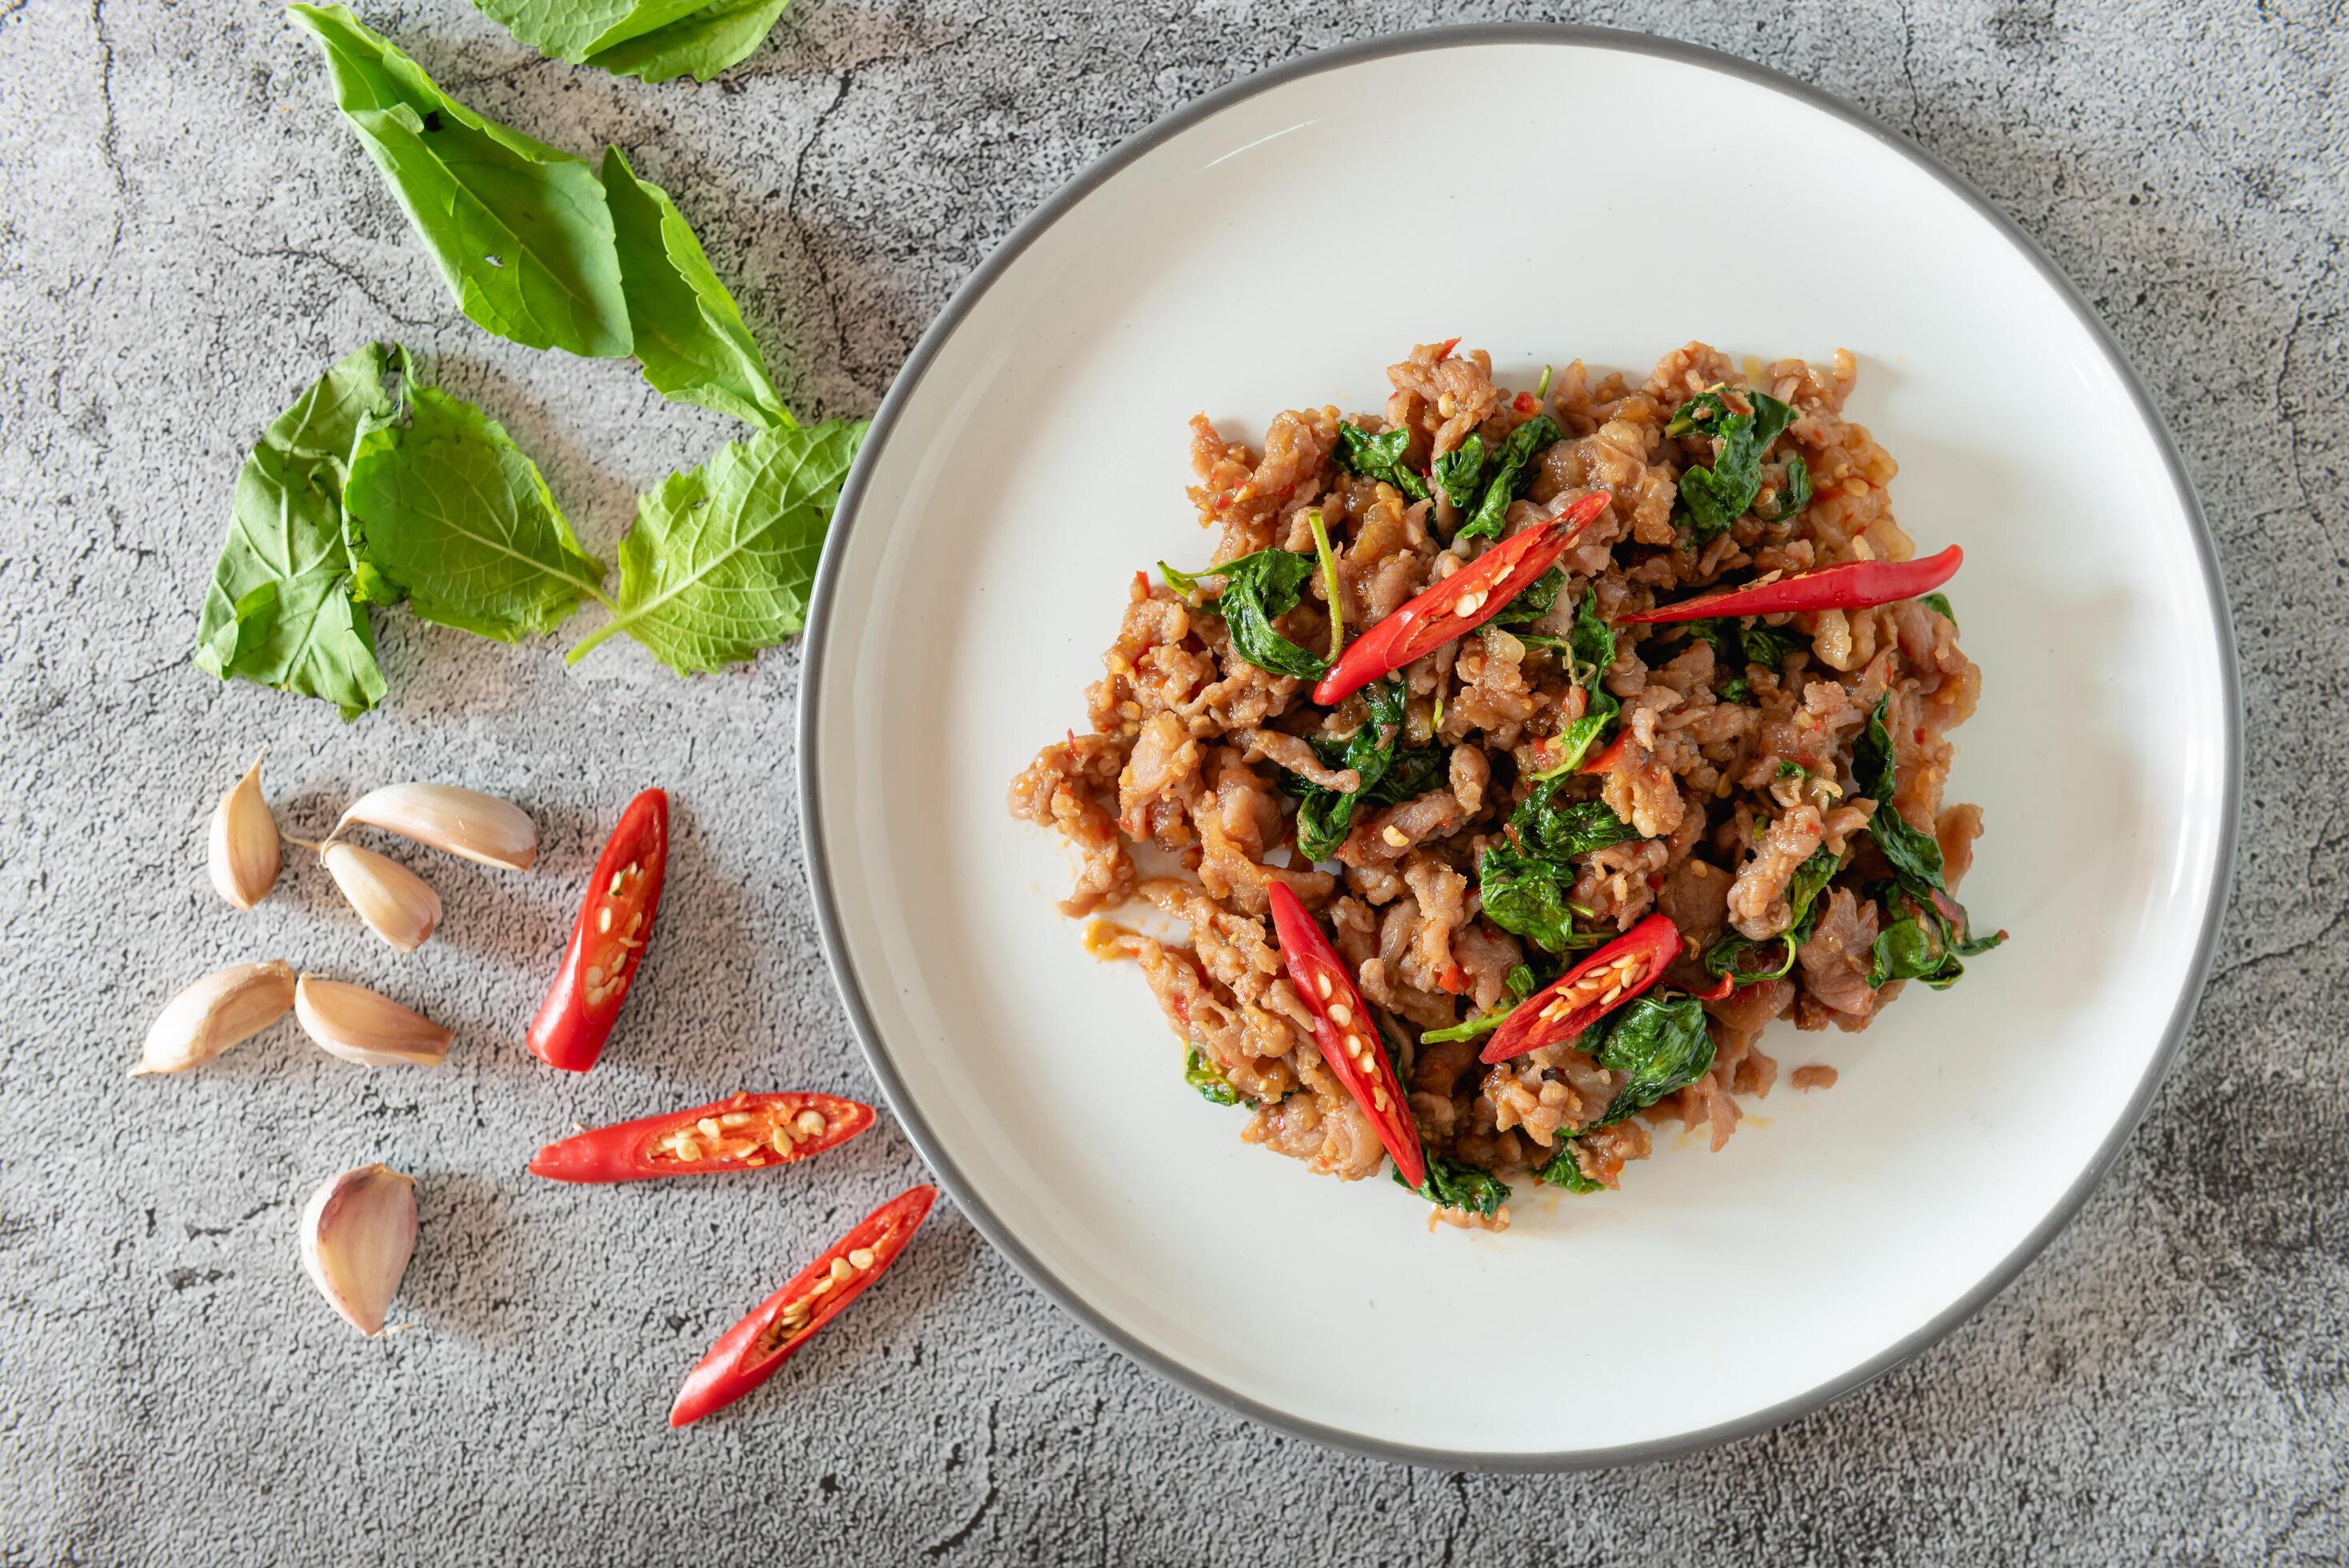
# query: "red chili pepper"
748, 1353
608, 942
741, 1132
1524, 403
1444, 350
1427, 621
1606, 759
1853, 585
1718, 992
1345, 1032
1573, 1002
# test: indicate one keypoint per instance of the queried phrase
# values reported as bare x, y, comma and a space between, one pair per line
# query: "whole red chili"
1344, 1031
1589, 991
607, 941
751, 1352
741, 1132
1853, 585
1460, 603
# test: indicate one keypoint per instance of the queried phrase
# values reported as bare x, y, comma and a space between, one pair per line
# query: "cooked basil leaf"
1524, 885
520, 230
1918, 942
1513, 475
1659, 1045
1324, 816
1534, 601
1941, 603
1257, 590
1469, 1029
720, 560
1590, 649
1562, 831
1914, 855
1452, 1185
281, 610
1460, 472
1792, 492
688, 334
1520, 979
1730, 955
1718, 496
1562, 1171
1737, 689
1380, 457
1204, 1075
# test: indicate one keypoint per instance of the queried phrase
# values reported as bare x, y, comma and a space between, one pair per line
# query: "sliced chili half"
608, 941
751, 1352
1853, 585
741, 1132
1460, 603
1589, 991
1344, 1031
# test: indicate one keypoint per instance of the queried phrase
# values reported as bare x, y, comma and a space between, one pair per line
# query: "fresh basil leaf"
1915, 855
1204, 1075
719, 563
1563, 1171
1940, 604
1452, 1185
1718, 496
520, 230
1461, 472
280, 611
1257, 590
1380, 457
1659, 1045
571, 30
688, 334
445, 512
712, 39
1513, 475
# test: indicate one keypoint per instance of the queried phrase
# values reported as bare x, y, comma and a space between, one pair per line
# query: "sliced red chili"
748, 1353
1853, 585
741, 1132
1344, 1031
1604, 762
607, 943
1589, 991
1460, 603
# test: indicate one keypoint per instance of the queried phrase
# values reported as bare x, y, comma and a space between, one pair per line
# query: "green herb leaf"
1324, 817
1915, 856
1380, 457
280, 611
1524, 885
1461, 472
1718, 496
520, 230
1452, 1185
1563, 1171
1534, 601
572, 30
1660, 1045
688, 333
1513, 475
1737, 689
1590, 650
1792, 492
1204, 1075
710, 40
449, 514
1257, 590
1940, 604
1728, 955
1917, 941
719, 563
1469, 1029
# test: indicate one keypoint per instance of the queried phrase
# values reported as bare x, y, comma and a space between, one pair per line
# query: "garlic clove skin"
364, 1026
216, 1012
357, 1234
481, 827
243, 857
397, 906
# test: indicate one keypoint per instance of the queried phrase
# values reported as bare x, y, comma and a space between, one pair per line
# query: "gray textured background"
188, 235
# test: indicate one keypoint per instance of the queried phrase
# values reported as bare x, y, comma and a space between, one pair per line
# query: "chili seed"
810, 1122
1322, 983
842, 1271
1341, 1015
1396, 836
603, 918
861, 1257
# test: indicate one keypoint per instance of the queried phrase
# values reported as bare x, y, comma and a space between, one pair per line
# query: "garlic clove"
216, 1012
361, 1026
357, 1232
243, 850
398, 906
461, 821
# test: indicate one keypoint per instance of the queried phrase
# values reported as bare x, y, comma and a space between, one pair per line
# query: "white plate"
1600, 195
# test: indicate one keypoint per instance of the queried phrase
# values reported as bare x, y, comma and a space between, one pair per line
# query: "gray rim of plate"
822, 607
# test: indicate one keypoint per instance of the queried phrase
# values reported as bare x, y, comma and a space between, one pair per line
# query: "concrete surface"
188, 235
